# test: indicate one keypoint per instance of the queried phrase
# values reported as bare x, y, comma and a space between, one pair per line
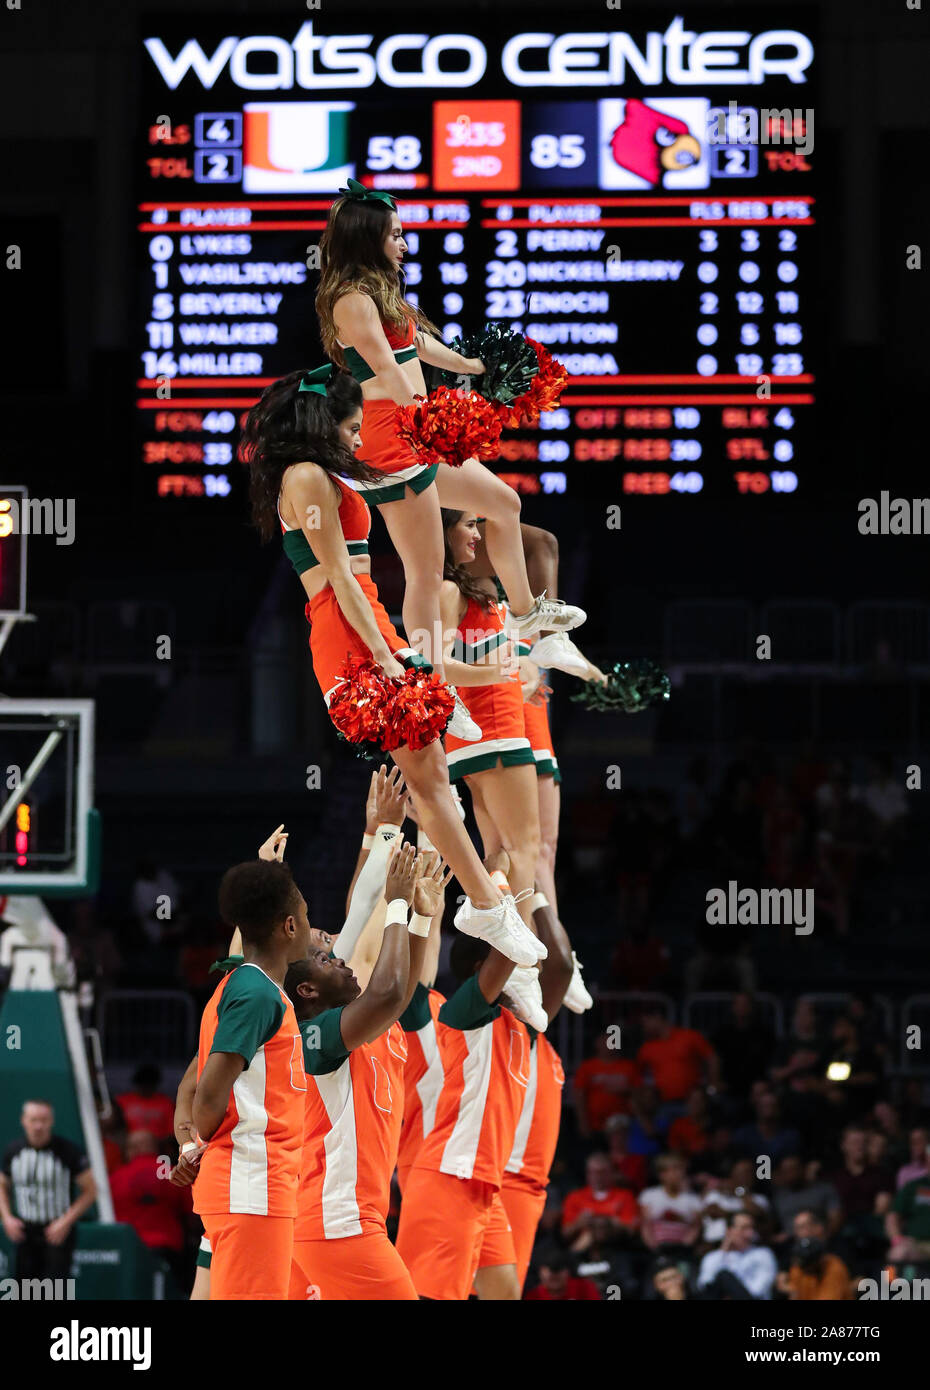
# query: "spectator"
794, 1191
113, 1133
602, 1087
908, 1223
741, 1268
768, 1135
745, 1046
728, 1195
671, 1212
864, 1192
600, 1260
814, 1274
601, 1197
153, 1207
668, 1281
883, 794
689, 1135
155, 900
648, 1126
558, 1284
859, 1088
36, 1177
145, 1107
631, 1169
676, 1059
886, 1118
919, 1164
800, 1061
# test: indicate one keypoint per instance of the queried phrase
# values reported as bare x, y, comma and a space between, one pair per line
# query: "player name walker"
894, 516
752, 907
77, 1343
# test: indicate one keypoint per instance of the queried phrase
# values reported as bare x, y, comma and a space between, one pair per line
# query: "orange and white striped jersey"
485, 1053
252, 1163
537, 1134
354, 1111
423, 1075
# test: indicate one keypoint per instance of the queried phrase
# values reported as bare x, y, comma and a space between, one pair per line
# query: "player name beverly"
76, 1343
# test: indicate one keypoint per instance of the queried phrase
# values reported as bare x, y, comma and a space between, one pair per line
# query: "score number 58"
400, 152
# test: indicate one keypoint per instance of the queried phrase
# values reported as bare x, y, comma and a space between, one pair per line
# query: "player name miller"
76, 1343
894, 516
751, 907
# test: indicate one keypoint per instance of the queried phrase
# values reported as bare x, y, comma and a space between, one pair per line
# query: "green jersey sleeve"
468, 1008
324, 1049
416, 1015
250, 1012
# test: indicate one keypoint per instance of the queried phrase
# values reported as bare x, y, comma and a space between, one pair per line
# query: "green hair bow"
316, 380
359, 193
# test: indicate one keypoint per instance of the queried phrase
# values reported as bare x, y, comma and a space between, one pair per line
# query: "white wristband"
387, 832
367, 841
396, 913
419, 925
424, 841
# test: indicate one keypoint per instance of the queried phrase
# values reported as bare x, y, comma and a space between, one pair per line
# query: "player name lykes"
894, 516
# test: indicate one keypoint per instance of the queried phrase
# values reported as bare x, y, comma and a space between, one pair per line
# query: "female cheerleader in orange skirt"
500, 769
325, 523
369, 327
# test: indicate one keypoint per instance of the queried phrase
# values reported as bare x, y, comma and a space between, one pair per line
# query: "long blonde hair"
352, 258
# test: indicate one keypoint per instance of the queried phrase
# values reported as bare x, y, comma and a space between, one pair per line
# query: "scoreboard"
639, 200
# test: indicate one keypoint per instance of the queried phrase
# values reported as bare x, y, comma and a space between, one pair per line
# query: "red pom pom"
370, 707
542, 394
451, 426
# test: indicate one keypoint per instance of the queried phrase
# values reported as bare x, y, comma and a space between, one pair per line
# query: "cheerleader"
500, 770
300, 444
369, 327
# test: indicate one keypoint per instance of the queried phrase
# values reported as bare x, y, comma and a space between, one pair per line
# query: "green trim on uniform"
359, 368
229, 963
204, 1259
394, 492
467, 1008
416, 1015
324, 1049
298, 551
511, 757
249, 1013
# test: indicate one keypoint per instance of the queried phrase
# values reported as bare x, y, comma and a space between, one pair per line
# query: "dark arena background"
713, 216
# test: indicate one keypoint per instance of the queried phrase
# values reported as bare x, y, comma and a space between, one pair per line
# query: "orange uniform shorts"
524, 1207
383, 448
442, 1226
332, 639
536, 725
251, 1256
364, 1268
497, 1248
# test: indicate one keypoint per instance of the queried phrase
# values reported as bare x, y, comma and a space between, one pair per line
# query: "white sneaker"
557, 651
461, 725
576, 997
458, 800
548, 613
525, 992
502, 927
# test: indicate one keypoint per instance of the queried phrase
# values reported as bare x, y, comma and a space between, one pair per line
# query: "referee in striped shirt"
36, 1178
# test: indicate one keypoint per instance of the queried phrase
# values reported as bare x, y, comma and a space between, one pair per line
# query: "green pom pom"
632, 686
509, 360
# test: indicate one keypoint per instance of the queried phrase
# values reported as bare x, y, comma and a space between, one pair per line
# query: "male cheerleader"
452, 1179
251, 1087
354, 1053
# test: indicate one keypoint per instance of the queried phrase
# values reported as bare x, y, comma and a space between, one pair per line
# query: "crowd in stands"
735, 1167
